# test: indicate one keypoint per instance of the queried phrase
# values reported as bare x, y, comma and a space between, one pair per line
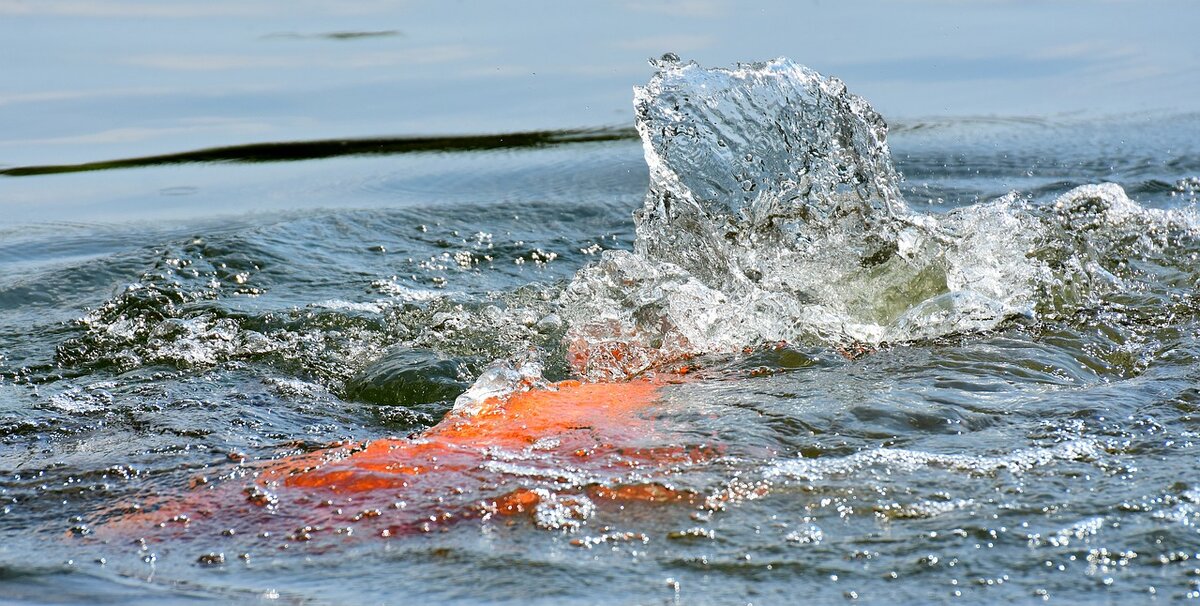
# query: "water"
927, 390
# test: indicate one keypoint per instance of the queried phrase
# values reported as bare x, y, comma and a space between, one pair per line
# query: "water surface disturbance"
798, 359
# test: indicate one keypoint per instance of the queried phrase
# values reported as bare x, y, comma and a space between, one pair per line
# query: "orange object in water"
554, 452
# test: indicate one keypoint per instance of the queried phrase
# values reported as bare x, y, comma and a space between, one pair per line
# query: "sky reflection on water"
88, 80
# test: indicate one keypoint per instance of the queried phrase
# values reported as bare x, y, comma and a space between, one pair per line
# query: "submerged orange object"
581, 418
553, 452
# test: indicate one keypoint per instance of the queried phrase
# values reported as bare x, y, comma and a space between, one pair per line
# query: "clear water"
160, 322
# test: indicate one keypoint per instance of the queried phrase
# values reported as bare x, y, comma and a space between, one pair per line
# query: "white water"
774, 214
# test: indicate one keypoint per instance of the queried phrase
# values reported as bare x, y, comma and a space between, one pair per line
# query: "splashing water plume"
774, 214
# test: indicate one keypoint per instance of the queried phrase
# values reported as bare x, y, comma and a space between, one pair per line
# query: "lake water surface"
236, 232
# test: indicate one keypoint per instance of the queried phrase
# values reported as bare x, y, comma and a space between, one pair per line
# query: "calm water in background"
340, 258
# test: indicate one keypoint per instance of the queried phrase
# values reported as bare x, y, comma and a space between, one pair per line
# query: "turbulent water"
922, 388
775, 214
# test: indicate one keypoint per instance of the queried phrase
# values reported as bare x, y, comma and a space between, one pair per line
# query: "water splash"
500, 379
774, 214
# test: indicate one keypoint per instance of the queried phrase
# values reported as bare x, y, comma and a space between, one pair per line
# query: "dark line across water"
328, 148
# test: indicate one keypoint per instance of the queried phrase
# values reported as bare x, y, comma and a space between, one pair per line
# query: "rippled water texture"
973, 382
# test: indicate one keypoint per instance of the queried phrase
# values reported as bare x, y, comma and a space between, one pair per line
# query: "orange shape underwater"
570, 442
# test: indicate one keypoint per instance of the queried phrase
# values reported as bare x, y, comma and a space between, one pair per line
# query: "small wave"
291, 151
897, 460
